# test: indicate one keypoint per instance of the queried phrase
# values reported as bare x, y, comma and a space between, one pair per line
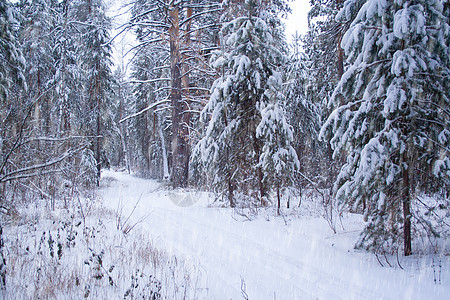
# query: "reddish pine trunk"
185, 105
340, 51
179, 142
340, 60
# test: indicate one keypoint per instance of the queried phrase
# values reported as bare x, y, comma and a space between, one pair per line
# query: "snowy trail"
297, 261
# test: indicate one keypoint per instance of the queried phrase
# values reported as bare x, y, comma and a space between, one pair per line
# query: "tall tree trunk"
94, 99
185, 107
122, 149
279, 199
97, 140
179, 148
146, 144
165, 159
37, 108
47, 115
406, 197
260, 174
2, 262
406, 166
261, 186
340, 61
340, 51
123, 135
230, 191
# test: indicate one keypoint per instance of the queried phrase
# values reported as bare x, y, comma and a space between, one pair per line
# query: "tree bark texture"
406, 208
179, 141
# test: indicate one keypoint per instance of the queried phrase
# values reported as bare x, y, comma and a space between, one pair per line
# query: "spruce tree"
303, 111
391, 116
240, 144
278, 158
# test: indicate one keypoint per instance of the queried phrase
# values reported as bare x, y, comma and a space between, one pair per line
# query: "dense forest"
356, 112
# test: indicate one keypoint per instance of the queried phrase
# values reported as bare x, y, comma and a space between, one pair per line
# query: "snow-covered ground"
269, 258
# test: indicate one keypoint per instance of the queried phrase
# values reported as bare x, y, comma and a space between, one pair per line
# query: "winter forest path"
264, 257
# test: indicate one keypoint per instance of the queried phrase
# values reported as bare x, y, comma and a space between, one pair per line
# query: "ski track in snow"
297, 261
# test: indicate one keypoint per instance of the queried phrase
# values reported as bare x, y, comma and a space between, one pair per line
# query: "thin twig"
398, 261
376, 255
385, 257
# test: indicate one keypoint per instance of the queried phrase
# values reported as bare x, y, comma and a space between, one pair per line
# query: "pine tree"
12, 64
392, 114
12, 61
67, 77
240, 142
40, 18
303, 112
169, 27
96, 53
278, 158
325, 66
120, 149
150, 89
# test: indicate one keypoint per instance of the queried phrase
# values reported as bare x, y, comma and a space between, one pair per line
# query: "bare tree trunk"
123, 135
97, 146
47, 115
65, 116
2, 262
340, 72
340, 61
260, 174
179, 144
37, 108
406, 208
288, 203
122, 149
340, 51
146, 145
230, 191
261, 186
95, 106
186, 101
279, 199
165, 160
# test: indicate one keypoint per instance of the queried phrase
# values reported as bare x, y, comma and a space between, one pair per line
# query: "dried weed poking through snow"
59, 256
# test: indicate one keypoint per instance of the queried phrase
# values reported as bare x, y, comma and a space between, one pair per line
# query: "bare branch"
17, 143
22, 172
199, 14
144, 110
149, 80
